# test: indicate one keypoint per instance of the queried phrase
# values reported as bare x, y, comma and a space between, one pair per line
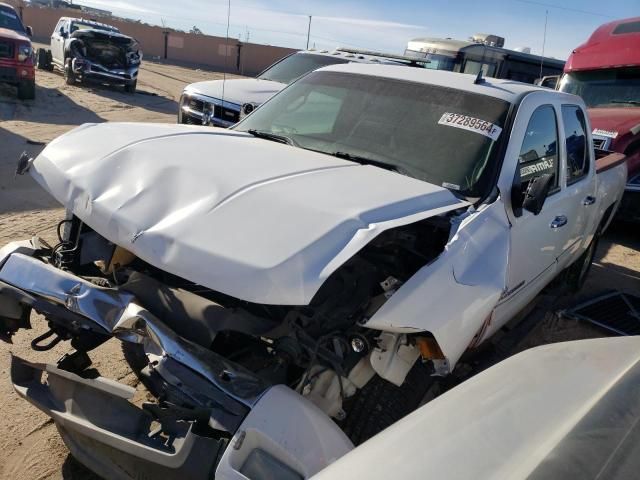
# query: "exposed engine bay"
107, 56
320, 350
109, 49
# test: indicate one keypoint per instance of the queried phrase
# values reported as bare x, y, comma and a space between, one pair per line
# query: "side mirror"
30, 31
61, 32
536, 193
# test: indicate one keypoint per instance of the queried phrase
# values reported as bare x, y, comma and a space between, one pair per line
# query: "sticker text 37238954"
471, 124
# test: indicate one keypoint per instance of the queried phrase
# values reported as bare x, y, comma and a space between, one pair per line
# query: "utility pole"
308, 32
544, 39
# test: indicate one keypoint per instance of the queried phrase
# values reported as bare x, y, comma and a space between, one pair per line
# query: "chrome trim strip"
118, 314
212, 100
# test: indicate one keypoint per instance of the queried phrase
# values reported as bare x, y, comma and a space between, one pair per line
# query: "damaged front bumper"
268, 427
91, 70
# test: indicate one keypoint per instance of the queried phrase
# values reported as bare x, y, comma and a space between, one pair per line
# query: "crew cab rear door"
580, 180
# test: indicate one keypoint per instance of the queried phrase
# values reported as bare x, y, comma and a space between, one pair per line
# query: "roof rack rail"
402, 58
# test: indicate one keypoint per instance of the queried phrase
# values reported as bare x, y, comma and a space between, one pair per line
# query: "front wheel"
131, 87
380, 403
27, 90
69, 74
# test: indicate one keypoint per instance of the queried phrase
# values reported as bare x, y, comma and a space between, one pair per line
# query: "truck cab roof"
91, 23
504, 89
614, 44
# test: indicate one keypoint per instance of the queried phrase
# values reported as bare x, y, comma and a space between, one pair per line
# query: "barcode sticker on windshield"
471, 124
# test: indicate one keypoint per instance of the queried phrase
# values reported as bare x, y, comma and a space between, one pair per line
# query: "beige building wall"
234, 56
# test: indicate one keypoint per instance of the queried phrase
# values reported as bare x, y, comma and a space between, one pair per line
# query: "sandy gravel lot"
29, 445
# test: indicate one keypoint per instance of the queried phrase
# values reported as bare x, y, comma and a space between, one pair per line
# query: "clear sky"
383, 24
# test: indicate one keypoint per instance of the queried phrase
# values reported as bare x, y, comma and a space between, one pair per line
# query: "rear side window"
539, 152
576, 141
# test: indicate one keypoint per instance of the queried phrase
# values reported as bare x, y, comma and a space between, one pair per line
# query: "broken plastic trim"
117, 313
105, 431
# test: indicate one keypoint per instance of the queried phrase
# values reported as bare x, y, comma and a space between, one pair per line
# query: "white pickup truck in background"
375, 223
86, 50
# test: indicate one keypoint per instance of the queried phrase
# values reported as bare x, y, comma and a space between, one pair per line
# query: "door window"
576, 142
59, 26
539, 152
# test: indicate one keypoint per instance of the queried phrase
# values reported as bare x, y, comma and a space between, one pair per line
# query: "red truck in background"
16, 53
605, 72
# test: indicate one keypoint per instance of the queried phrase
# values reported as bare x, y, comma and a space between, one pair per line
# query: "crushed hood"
254, 219
238, 91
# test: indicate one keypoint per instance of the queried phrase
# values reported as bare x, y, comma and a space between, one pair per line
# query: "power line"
570, 9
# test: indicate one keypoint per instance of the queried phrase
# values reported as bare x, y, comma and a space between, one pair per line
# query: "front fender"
453, 296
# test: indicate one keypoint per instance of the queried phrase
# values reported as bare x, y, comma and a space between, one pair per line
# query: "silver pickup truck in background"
375, 223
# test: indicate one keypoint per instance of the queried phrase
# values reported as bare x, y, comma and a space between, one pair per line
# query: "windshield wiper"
370, 161
274, 137
632, 102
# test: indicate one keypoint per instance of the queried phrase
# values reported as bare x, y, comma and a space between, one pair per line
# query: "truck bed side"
611, 169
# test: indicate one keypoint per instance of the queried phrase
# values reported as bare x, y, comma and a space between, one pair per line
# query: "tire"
69, 75
42, 59
381, 403
131, 87
578, 272
49, 61
27, 90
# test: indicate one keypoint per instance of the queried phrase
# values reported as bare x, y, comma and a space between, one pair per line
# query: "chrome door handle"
559, 221
589, 201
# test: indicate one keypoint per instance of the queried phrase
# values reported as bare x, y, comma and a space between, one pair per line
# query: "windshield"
9, 20
618, 87
75, 26
440, 135
294, 66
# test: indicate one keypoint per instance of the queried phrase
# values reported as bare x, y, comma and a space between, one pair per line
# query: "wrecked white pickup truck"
376, 222
87, 50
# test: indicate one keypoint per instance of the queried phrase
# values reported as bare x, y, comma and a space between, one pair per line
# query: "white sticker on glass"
465, 122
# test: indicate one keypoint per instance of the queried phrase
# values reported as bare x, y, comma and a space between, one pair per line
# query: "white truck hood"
258, 220
238, 91
561, 411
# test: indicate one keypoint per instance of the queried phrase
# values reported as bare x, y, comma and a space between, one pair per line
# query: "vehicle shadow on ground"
141, 99
50, 106
72, 469
623, 233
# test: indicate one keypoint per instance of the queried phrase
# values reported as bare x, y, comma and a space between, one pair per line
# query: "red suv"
16, 53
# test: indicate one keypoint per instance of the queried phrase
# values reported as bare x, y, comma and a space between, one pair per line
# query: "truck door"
57, 41
580, 196
536, 240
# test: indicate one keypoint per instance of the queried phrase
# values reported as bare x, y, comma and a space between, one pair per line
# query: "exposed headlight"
246, 109
25, 52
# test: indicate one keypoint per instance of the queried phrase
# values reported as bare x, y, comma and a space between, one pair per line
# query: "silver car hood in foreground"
254, 219
238, 90
562, 411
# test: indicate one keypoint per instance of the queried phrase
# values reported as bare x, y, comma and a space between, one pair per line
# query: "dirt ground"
30, 447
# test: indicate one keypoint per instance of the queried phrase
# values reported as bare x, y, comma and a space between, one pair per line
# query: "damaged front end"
258, 300
103, 56
205, 402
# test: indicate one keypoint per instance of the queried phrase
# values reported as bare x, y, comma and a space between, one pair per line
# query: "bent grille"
195, 106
